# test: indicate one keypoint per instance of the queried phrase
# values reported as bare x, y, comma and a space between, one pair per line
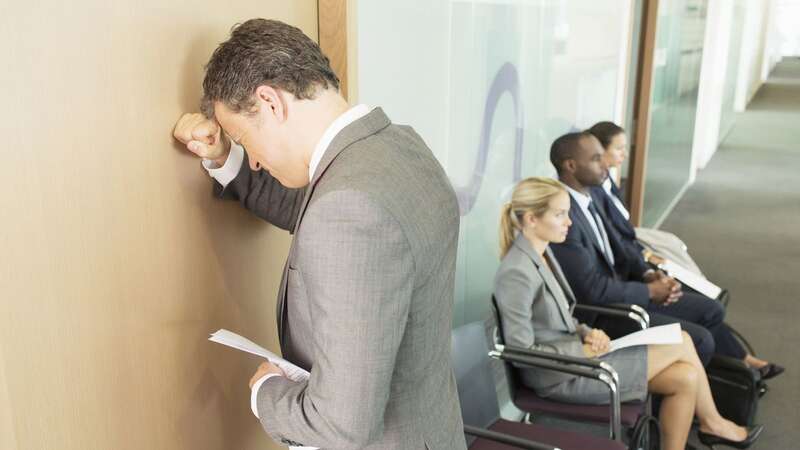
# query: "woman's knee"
681, 378
686, 377
678, 378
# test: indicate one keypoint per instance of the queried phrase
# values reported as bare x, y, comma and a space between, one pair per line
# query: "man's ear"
569, 165
273, 101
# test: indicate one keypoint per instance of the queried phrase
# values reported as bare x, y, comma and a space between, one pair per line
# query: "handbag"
736, 389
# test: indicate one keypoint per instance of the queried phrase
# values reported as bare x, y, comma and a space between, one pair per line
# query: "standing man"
367, 293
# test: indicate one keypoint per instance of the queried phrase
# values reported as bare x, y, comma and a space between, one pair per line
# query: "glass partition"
678, 54
489, 85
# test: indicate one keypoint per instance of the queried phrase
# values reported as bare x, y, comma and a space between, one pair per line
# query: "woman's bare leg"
710, 419
678, 383
752, 361
660, 358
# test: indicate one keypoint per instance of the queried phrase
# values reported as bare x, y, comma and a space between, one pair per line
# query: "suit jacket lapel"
556, 289
560, 277
615, 190
580, 218
368, 125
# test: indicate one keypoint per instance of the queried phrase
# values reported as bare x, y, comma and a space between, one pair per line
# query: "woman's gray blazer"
536, 305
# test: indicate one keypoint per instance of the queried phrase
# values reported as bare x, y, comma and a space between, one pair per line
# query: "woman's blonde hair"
530, 195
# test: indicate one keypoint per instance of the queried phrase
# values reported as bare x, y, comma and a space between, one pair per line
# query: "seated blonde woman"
536, 303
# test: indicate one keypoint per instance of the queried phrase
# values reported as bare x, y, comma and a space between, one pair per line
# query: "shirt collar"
582, 199
607, 185
348, 117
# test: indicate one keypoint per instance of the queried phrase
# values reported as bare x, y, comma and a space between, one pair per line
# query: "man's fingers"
205, 131
195, 126
198, 148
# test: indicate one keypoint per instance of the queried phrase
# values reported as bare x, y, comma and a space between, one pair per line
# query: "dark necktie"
603, 235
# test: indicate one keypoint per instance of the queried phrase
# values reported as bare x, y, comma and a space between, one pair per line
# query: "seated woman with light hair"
535, 304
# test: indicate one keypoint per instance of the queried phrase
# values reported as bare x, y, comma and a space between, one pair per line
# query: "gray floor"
741, 222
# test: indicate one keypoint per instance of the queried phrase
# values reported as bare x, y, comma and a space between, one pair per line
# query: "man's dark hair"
605, 132
264, 52
566, 147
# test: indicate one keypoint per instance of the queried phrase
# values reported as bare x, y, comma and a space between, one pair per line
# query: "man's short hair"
566, 147
264, 52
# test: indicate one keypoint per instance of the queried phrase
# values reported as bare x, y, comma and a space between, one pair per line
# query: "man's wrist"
254, 392
226, 145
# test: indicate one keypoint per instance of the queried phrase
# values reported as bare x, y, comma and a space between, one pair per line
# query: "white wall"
716, 50
787, 26
754, 37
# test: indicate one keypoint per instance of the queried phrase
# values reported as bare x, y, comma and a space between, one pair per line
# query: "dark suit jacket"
592, 277
615, 218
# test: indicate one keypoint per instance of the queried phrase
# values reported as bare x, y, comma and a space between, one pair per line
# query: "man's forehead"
589, 145
226, 119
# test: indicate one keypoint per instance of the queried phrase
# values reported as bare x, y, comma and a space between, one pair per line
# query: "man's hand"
676, 291
203, 137
659, 290
265, 368
664, 289
598, 341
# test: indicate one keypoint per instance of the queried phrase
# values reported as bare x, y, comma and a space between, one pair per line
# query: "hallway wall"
117, 262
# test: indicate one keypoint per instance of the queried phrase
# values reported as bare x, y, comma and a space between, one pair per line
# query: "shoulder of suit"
516, 258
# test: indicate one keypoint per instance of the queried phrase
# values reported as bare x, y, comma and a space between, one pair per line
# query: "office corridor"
741, 222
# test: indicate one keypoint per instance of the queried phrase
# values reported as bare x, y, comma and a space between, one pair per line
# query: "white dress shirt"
617, 202
583, 201
233, 164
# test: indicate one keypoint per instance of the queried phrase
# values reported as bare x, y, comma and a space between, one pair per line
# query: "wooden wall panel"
333, 34
644, 94
117, 262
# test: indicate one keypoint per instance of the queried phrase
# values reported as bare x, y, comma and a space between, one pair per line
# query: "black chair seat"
526, 400
565, 440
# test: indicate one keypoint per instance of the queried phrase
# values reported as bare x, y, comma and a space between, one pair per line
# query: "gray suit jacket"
367, 294
536, 306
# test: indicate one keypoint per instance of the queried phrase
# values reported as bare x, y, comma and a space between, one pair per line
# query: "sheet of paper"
691, 279
230, 339
292, 372
664, 334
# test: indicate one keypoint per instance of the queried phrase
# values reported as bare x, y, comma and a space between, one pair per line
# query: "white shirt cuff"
230, 169
254, 392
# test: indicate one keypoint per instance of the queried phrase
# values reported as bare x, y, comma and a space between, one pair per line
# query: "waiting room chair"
483, 427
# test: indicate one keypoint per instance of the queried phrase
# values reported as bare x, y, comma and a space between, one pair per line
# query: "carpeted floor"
741, 222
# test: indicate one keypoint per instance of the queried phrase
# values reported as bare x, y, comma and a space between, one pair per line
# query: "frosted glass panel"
489, 85
678, 54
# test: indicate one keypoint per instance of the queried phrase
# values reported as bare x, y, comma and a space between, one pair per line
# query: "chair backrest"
512, 376
476, 389
499, 336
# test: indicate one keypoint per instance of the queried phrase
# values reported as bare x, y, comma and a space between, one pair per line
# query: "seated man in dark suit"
607, 197
601, 269
659, 245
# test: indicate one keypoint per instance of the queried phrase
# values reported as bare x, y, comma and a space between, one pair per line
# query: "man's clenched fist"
203, 137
